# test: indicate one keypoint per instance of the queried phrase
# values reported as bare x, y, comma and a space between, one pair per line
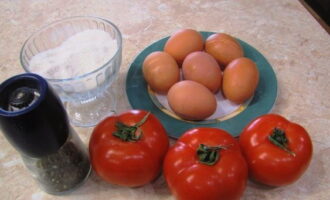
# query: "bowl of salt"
80, 57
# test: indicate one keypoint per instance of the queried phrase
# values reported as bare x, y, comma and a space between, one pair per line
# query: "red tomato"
205, 164
128, 149
277, 151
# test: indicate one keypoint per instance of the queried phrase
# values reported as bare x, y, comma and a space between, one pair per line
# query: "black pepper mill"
34, 121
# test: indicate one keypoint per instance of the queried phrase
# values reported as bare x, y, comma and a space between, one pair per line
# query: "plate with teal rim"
140, 96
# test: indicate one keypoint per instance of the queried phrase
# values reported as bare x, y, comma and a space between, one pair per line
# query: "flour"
79, 54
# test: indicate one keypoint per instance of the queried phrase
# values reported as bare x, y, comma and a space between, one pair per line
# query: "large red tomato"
128, 149
277, 151
205, 164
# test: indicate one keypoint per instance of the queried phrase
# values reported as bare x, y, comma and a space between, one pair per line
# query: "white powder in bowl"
79, 54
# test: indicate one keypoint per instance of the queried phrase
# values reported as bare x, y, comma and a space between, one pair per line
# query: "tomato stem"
128, 133
279, 139
209, 155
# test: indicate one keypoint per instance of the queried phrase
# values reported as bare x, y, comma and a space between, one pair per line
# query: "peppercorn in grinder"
34, 121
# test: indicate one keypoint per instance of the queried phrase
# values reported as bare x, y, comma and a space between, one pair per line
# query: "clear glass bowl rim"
68, 19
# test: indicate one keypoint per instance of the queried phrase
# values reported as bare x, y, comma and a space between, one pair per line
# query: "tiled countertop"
283, 31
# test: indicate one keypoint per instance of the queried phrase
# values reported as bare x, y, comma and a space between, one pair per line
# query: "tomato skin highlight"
128, 163
189, 179
269, 164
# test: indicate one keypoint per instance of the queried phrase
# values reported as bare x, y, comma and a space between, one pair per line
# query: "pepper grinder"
34, 121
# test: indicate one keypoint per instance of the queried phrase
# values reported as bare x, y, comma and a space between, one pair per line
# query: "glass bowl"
80, 57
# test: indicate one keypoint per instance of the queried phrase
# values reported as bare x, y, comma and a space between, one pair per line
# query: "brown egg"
240, 80
223, 48
161, 71
204, 69
191, 100
183, 42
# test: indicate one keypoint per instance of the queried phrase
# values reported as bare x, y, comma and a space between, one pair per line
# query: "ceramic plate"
232, 118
